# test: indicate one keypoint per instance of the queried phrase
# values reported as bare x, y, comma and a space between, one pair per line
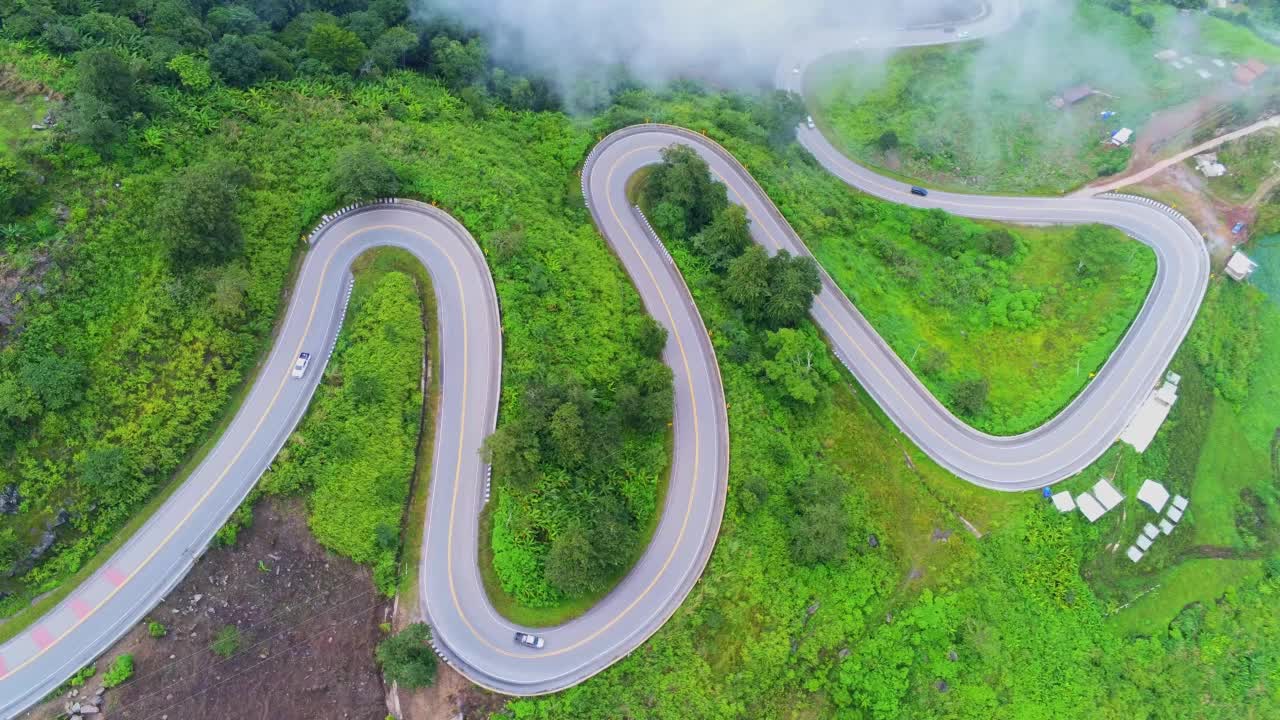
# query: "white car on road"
300, 366
530, 640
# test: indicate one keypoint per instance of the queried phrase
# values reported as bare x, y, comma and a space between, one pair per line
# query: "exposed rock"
942, 686
89, 710
940, 535
61, 518
873, 541
42, 547
10, 499
952, 656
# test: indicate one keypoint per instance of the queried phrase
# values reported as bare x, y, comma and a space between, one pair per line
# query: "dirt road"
1147, 173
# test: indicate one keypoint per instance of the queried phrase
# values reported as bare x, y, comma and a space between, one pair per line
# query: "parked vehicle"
300, 366
1237, 228
809, 121
917, 190
530, 640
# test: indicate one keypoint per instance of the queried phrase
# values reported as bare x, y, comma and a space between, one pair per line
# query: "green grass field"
1202, 580
1216, 449
1204, 34
1239, 455
1035, 367
17, 115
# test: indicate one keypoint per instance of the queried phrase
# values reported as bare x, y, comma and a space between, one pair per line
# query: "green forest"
149, 239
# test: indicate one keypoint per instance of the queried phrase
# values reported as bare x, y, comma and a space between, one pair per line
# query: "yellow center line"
697, 446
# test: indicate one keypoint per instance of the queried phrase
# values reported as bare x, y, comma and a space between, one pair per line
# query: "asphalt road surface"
469, 633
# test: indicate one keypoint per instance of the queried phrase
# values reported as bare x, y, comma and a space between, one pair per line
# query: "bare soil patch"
307, 623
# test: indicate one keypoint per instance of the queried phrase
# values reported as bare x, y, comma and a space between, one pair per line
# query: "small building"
1090, 507
1150, 531
1121, 136
1071, 96
1166, 527
1208, 165
1134, 553
1240, 267
1153, 494
1063, 502
1076, 93
1142, 429
1248, 72
1107, 494
1144, 542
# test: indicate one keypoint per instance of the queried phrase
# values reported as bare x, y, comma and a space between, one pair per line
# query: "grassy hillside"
849, 579
140, 355
1003, 324
977, 116
930, 621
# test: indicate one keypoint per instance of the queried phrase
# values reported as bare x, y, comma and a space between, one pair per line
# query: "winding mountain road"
469, 633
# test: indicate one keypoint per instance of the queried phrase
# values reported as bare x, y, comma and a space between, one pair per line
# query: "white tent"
1134, 554
1175, 514
1179, 502
1151, 531
1153, 493
1107, 494
1166, 527
1063, 502
1090, 507
1144, 542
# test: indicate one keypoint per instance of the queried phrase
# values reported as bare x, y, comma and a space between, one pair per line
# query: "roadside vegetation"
134, 325
1004, 324
354, 453
407, 658
878, 601
978, 116
848, 579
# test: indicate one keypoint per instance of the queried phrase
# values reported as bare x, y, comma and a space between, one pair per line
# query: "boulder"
61, 518
10, 499
89, 710
42, 547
